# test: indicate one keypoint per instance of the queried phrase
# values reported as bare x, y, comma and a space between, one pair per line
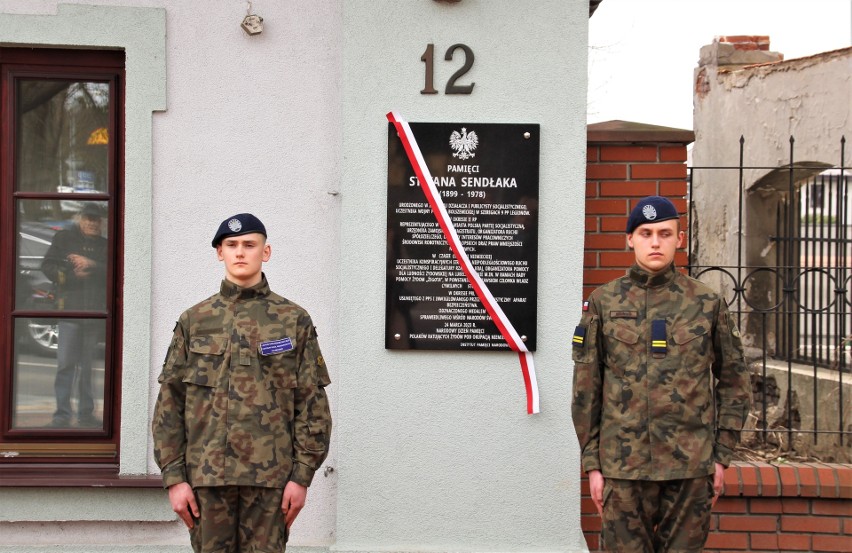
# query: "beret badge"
649, 212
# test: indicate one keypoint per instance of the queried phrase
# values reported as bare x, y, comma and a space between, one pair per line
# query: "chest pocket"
206, 359
278, 370
622, 348
693, 345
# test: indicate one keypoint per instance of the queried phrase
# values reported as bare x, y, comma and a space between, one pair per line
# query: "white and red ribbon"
412, 150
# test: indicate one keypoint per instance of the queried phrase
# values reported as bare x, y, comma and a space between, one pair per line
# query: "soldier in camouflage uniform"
242, 420
660, 394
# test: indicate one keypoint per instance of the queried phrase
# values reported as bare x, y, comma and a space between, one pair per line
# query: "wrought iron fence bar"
740, 188
842, 215
764, 380
764, 167
801, 431
787, 296
809, 239
820, 167
779, 217
755, 267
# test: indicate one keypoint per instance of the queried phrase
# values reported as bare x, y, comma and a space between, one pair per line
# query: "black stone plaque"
487, 176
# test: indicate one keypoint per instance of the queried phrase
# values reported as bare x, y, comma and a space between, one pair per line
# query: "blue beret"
242, 223
652, 209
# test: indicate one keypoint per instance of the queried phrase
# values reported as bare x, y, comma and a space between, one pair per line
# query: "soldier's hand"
718, 480
293, 501
596, 486
183, 502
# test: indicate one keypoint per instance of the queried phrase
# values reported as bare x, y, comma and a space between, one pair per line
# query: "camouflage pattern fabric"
643, 404
656, 517
242, 394
239, 519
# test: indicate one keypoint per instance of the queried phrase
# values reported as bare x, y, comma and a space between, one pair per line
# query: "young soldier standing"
661, 393
242, 419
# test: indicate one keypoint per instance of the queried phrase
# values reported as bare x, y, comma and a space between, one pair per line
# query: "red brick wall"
747, 42
617, 176
769, 507
764, 507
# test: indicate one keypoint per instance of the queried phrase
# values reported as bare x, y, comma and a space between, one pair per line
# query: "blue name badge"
276, 346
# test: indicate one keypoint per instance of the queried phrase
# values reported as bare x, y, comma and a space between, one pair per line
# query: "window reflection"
62, 263
62, 386
59, 363
62, 136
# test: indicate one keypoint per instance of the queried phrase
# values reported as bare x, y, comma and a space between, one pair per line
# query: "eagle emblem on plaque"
464, 143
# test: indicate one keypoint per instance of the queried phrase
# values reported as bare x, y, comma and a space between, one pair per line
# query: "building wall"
440, 454
743, 90
34, 519
218, 122
431, 451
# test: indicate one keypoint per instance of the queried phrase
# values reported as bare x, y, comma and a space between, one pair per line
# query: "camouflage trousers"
239, 519
656, 517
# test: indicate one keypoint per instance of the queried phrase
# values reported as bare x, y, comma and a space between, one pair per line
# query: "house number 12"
428, 58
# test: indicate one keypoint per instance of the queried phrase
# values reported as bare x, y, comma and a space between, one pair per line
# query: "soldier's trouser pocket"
625, 528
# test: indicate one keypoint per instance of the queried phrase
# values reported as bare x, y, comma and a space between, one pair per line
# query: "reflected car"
33, 290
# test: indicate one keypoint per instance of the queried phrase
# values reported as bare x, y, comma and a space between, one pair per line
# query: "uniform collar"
233, 291
650, 280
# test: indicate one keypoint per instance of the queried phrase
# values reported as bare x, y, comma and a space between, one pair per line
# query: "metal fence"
793, 299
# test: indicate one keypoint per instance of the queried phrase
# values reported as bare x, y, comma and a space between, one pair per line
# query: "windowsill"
73, 477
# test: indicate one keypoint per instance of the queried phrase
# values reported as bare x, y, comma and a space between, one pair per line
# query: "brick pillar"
626, 162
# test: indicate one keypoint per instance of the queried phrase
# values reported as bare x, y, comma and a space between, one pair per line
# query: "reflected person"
76, 263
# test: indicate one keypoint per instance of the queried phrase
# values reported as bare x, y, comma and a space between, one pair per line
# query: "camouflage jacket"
242, 393
650, 354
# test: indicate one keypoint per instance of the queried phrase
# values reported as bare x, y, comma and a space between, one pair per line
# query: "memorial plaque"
487, 176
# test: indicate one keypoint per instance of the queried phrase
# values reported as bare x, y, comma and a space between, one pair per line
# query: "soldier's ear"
630, 240
267, 252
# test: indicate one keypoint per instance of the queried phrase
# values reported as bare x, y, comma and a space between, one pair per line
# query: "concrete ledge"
85, 504
629, 132
71, 479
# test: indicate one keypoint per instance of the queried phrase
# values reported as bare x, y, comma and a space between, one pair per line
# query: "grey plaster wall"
437, 451
431, 451
807, 98
252, 125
